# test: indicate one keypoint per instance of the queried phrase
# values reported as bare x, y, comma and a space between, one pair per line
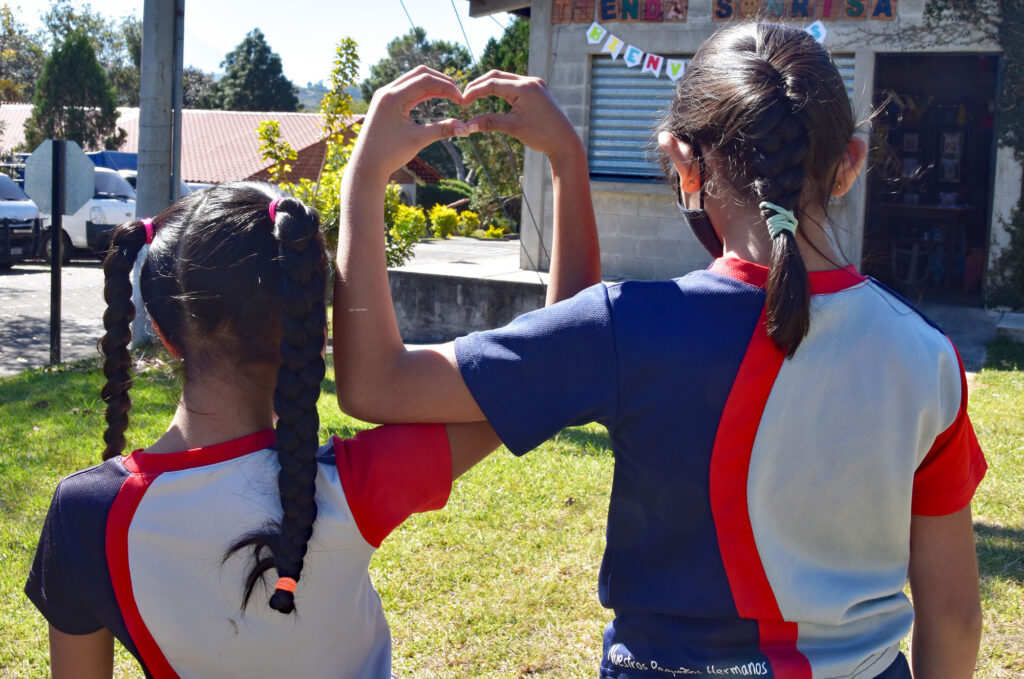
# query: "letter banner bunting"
613, 47
596, 33
634, 56
674, 68
652, 64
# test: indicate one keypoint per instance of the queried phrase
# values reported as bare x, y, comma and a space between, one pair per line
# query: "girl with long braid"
791, 439
236, 544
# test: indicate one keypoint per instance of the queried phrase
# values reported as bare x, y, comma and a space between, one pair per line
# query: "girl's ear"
850, 166
171, 349
684, 160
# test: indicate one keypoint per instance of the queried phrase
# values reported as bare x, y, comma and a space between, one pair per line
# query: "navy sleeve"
551, 368
50, 583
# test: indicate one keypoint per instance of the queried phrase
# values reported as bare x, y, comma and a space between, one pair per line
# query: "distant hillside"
312, 93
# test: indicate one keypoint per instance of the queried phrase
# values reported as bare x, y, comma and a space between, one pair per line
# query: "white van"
19, 224
112, 203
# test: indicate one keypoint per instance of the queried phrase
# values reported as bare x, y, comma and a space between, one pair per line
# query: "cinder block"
616, 204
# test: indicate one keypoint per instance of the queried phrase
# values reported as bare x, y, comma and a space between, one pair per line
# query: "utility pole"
159, 146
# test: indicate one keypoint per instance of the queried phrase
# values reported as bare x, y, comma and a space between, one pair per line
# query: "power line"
512, 162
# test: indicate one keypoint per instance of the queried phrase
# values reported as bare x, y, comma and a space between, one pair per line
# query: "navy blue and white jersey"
759, 521
136, 545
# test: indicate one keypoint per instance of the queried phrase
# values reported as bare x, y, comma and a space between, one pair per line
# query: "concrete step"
1011, 325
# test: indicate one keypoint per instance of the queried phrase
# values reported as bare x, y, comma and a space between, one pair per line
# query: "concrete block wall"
642, 234
432, 308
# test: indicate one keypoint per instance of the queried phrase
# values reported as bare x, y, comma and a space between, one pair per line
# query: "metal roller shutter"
625, 106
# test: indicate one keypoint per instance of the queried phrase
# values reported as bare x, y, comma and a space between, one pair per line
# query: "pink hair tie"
148, 223
273, 209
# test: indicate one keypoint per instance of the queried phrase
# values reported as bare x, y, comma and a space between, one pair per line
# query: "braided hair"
218, 268
767, 100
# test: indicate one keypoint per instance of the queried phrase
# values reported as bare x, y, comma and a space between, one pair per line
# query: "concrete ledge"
1011, 325
438, 308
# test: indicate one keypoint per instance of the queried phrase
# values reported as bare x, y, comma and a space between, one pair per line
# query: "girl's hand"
535, 118
389, 137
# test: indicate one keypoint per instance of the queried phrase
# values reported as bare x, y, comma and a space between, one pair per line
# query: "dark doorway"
930, 178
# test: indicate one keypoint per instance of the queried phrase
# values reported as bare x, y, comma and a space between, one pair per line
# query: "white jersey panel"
829, 501
191, 516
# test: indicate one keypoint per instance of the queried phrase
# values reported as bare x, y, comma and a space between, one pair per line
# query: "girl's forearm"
575, 252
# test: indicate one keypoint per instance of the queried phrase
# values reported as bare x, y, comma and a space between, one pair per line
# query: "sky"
303, 32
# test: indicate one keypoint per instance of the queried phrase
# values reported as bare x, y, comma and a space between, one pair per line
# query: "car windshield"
113, 185
9, 190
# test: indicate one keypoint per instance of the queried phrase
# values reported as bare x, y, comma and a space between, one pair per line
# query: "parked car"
132, 176
20, 225
112, 203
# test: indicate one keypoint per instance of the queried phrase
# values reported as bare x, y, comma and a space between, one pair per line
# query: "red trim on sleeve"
949, 474
392, 472
730, 468
118, 523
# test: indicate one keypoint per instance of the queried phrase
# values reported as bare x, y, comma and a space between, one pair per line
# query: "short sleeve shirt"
137, 545
757, 500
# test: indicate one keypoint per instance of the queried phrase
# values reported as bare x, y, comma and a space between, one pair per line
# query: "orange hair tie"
286, 584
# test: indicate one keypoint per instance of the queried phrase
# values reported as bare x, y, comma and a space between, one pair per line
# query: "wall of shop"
642, 235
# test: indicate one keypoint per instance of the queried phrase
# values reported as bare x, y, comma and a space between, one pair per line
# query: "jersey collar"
156, 463
822, 282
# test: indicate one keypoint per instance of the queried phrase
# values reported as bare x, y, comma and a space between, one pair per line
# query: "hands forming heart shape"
390, 138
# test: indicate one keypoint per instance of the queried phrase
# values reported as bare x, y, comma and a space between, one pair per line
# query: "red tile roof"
216, 146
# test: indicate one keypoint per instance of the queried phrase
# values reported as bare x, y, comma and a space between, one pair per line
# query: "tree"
408, 51
197, 88
117, 43
254, 80
21, 58
495, 161
74, 100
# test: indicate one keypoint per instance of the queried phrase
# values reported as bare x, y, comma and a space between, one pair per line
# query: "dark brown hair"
229, 287
768, 103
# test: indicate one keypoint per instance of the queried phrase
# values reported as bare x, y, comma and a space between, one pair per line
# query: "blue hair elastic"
782, 220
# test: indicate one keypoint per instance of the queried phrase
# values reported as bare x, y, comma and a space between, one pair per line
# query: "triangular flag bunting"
674, 68
596, 33
817, 31
634, 56
613, 46
652, 64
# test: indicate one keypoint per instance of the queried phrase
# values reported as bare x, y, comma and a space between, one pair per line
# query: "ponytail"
303, 324
117, 291
781, 147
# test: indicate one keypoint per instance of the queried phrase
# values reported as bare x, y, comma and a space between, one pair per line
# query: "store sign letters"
826, 10
662, 11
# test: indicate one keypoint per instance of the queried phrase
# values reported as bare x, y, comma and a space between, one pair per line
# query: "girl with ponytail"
791, 438
236, 544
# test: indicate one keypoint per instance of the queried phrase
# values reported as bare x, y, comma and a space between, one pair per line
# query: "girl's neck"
745, 235
213, 410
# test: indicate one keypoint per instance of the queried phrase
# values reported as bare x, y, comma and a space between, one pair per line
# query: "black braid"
303, 324
117, 319
780, 148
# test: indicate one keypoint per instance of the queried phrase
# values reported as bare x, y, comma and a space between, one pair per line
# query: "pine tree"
253, 80
74, 99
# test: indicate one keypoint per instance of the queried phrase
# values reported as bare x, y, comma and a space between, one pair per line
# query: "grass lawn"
501, 583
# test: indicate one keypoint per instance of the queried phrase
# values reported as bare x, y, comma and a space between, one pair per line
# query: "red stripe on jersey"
120, 519
730, 467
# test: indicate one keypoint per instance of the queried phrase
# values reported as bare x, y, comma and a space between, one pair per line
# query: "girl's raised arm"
377, 378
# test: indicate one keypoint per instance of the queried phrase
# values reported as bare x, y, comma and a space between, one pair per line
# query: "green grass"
502, 582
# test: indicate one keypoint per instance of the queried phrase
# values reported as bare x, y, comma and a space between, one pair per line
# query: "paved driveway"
25, 314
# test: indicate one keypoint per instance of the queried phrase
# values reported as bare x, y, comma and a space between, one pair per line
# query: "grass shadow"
1005, 354
1000, 551
586, 442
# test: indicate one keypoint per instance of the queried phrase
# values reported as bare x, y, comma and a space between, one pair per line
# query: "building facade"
927, 216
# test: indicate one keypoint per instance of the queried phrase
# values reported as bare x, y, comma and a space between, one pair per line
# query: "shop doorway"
930, 176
